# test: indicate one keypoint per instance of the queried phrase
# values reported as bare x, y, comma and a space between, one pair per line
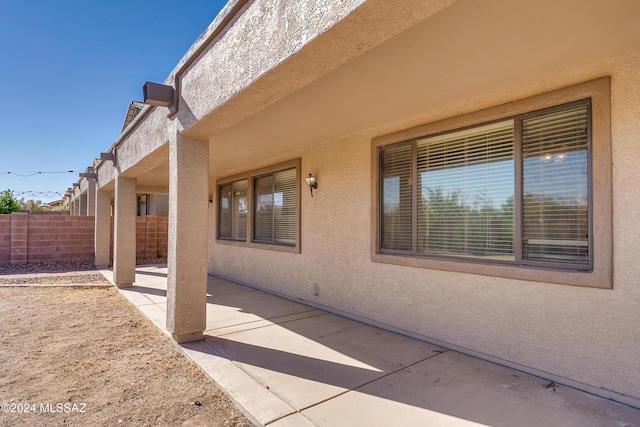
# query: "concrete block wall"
5, 239
141, 238
152, 233
151, 237
50, 237
163, 236
59, 238
19, 237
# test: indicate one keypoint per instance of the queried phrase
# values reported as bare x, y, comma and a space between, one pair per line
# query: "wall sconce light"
311, 182
210, 199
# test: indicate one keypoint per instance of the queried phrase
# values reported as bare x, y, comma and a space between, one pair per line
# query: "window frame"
250, 176
600, 203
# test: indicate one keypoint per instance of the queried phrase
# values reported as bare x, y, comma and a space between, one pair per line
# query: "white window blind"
465, 192
275, 208
460, 194
232, 222
555, 185
397, 197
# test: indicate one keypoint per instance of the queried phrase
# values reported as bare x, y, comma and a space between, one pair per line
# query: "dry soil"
83, 356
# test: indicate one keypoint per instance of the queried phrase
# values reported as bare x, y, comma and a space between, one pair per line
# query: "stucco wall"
587, 335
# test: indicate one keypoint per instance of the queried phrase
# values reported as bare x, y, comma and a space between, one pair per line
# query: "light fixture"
158, 94
311, 182
557, 158
560, 157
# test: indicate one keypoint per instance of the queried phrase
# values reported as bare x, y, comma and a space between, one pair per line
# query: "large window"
261, 207
519, 191
454, 195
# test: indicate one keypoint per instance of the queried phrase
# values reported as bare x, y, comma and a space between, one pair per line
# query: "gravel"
59, 273
45, 267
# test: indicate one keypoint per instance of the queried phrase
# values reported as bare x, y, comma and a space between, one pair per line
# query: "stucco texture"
579, 333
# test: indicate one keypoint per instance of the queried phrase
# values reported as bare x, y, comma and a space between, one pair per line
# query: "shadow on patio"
290, 364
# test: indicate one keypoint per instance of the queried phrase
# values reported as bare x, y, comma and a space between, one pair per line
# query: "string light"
28, 193
34, 173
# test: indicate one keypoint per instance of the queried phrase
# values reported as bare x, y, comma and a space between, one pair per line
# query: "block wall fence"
34, 237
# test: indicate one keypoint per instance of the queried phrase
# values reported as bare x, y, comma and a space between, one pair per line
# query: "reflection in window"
275, 208
460, 194
232, 211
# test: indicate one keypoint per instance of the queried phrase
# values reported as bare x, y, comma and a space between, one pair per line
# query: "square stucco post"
124, 232
91, 197
188, 251
83, 205
102, 238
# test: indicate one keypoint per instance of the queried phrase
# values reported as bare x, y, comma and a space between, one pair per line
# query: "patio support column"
124, 232
102, 238
83, 205
188, 231
91, 196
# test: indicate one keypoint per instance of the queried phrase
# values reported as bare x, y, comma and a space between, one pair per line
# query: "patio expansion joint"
245, 409
288, 415
273, 320
395, 371
257, 380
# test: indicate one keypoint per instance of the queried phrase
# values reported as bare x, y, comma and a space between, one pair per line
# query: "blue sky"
68, 70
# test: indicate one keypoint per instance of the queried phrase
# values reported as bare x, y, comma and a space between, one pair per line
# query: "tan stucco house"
476, 167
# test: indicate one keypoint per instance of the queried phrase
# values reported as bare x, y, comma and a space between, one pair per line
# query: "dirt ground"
83, 356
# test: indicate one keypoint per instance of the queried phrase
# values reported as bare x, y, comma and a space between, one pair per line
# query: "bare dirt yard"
83, 356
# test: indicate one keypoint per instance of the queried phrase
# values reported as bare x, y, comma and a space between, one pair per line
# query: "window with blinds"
232, 211
513, 191
275, 208
555, 177
261, 208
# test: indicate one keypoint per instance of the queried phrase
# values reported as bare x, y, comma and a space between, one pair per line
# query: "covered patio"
287, 363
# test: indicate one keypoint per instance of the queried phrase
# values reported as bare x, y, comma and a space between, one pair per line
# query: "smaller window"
275, 208
142, 205
233, 211
261, 208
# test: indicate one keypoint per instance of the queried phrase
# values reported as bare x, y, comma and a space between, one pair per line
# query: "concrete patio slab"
244, 307
314, 359
137, 296
226, 330
287, 364
293, 420
455, 389
242, 388
216, 286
